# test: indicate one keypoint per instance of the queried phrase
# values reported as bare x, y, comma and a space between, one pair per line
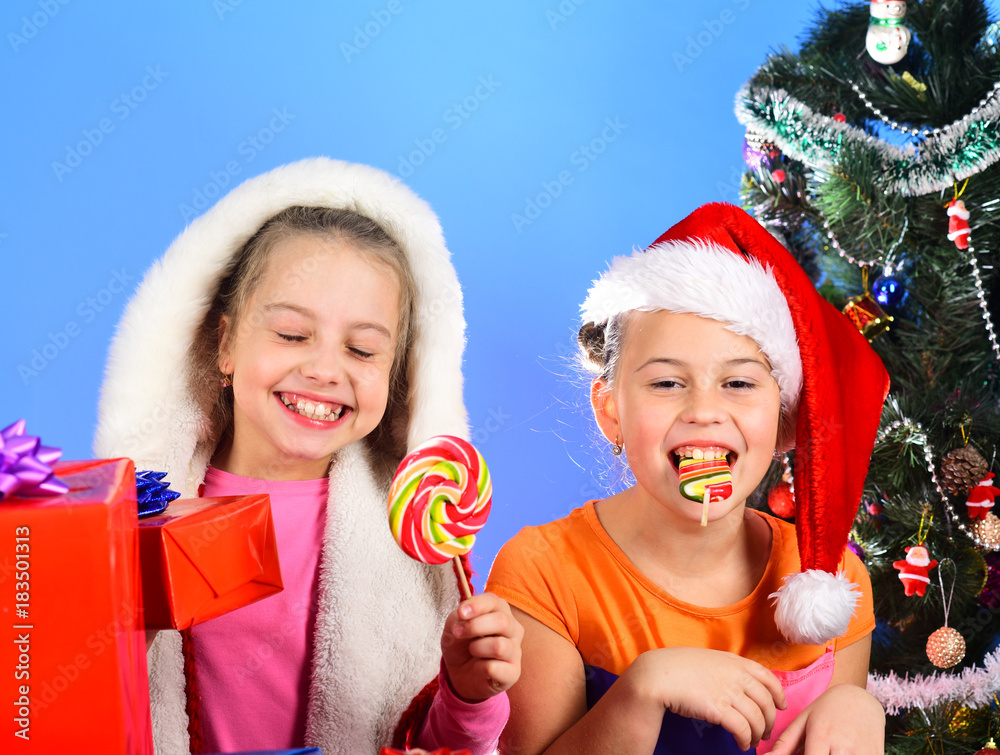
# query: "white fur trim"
374, 652
813, 607
381, 613
708, 280
166, 694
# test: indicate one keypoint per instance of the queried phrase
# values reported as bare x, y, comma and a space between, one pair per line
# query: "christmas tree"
873, 155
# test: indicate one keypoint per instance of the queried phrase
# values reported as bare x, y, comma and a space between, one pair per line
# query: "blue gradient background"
75, 244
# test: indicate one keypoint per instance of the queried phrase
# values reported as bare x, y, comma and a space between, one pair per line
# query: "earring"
777, 455
617, 447
227, 380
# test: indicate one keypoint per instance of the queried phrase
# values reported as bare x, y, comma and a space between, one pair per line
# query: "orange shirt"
570, 575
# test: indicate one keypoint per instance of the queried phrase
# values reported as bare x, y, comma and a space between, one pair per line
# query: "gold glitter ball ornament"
959, 721
961, 469
945, 647
987, 532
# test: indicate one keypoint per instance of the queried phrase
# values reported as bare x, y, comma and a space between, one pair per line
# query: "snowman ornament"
887, 38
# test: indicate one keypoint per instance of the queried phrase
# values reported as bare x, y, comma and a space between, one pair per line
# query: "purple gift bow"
26, 465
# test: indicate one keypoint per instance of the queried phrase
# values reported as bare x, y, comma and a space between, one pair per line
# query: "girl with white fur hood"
296, 340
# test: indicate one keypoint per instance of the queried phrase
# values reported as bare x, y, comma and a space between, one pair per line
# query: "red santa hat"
722, 264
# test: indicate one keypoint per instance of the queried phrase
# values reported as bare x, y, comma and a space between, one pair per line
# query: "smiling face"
310, 356
687, 386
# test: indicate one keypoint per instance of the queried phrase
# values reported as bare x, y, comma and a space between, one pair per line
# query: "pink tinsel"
974, 687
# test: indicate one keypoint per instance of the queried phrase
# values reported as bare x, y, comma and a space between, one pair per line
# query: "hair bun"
591, 340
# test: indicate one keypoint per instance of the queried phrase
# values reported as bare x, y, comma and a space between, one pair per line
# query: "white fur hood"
369, 662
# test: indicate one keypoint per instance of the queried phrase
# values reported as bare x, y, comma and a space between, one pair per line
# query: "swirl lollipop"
439, 499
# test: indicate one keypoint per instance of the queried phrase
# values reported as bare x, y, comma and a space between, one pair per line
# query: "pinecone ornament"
961, 469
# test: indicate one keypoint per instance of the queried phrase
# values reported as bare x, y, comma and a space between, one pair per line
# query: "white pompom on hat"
722, 264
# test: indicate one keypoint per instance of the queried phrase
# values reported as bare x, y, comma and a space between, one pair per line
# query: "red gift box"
72, 650
204, 557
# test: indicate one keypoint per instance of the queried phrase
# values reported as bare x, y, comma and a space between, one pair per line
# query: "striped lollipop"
705, 481
439, 499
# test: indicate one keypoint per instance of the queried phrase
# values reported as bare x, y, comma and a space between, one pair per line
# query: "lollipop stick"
704, 507
466, 590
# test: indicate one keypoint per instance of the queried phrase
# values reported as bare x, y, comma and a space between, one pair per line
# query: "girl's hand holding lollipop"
439, 499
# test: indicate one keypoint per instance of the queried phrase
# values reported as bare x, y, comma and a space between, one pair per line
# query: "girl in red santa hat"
670, 618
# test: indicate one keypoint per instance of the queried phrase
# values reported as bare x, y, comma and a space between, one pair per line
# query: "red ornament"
778, 175
840, 118
958, 223
780, 500
873, 507
867, 316
989, 749
981, 497
913, 571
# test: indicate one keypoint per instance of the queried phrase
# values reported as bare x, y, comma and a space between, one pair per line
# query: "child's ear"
225, 347
602, 400
786, 431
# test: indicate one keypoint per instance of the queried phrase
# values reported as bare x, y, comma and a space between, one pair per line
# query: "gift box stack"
74, 601
73, 652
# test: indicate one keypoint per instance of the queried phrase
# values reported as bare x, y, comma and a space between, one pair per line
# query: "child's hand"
845, 718
481, 645
711, 685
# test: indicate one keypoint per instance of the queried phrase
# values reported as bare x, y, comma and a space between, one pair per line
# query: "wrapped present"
204, 557
73, 652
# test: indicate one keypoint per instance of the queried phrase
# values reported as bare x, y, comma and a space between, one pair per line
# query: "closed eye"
291, 337
361, 353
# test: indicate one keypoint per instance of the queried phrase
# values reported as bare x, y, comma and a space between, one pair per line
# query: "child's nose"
324, 365
703, 407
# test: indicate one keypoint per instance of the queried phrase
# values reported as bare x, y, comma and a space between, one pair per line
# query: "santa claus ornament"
913, 572
887, 39
958, 223
981, 498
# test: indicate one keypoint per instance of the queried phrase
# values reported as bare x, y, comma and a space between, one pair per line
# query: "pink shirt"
253, 664
453, 723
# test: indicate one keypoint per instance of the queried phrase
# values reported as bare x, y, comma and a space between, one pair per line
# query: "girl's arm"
851, 663
845, 718
548, 704
480, 659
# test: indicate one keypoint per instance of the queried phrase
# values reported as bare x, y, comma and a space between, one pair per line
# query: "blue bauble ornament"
888, 291
990, 42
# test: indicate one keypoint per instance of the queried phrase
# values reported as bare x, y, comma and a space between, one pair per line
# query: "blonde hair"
244, 275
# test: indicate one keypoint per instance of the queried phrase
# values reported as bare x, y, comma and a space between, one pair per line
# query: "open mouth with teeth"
315, 410
704, 471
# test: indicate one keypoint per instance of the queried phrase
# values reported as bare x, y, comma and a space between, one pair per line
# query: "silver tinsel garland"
952, 153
